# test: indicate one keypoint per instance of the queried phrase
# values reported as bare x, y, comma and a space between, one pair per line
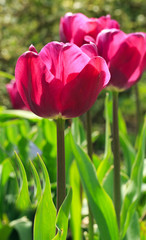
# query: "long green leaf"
37, 193
62, 218
23, 200
45, 218
76, 202
100, 203
106, 163
6, 75
133, 186
23, 226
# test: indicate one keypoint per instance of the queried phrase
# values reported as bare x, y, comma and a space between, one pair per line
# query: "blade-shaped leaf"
106, 163
62, 218
6, 75
37, 192
100, 203
76, 202
23, 226
45, 218
133, 186
23, 200
128, 152
133, 232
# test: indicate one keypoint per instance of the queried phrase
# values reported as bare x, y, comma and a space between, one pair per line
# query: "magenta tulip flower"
124, 54
14, 95
62, 80
79, 29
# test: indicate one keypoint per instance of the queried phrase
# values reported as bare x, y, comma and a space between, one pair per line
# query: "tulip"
14, 95
62, 80
79, 29
124, 54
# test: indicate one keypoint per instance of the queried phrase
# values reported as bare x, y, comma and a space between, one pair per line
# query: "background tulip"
14, 95
124, 54
79, 29
63, 80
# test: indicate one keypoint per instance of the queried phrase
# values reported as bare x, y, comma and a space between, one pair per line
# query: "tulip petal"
108, 42
14, 95
50, 54
37, 86
79, 95
125, 65
90, 50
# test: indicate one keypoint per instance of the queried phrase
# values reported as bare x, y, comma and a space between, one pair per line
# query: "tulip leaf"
78, 131
6, 75
106, 163
133, 186
23, 227
75, 220
37, 187
45, 217
68, 156
133, 231
18, 113
100, 203
62, 218
23, 200
128, 152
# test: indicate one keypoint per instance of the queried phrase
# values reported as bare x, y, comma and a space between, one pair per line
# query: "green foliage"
100, 203
23, 200
133, 186
46, 212
62, 218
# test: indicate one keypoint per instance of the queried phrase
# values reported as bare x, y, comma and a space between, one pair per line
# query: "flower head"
62, 79
79, 29
124, 54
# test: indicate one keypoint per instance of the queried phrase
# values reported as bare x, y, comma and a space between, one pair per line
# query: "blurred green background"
25, 22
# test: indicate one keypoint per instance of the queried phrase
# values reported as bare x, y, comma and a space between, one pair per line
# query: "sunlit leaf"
76, 202
37, 187
100, 203
23, 226
45, 218
62, 218
106, 163
23, 200
133, 186
6, 75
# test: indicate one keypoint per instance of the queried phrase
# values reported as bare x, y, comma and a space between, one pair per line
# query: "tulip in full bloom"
79, 29
124, 54
14, 95
62, 80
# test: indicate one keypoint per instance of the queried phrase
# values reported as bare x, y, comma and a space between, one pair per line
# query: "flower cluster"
65, 78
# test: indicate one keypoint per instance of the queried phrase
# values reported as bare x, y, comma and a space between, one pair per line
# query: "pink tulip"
124, 54
79, 29
62, 80
14, 95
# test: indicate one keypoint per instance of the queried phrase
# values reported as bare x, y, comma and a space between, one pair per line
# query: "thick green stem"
116, 152
90, 151
61, 186
138, 110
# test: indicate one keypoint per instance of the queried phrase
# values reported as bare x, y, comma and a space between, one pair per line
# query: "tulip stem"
61, 186
116, 153
90, 152
138, 110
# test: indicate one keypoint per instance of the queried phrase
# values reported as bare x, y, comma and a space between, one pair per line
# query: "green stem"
61, 186
138, 110
90, 152
116, 152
